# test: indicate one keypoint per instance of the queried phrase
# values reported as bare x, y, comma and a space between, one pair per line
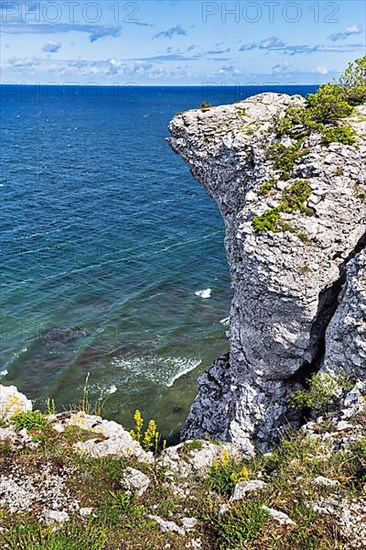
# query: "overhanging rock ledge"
299, 293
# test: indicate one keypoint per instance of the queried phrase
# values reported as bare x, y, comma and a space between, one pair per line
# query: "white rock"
281, 517
117, 442
167, 526
344, 425
86, 512
321, 480
276, 311
244, 487
12, 402
189, 523
135, 482
55, 516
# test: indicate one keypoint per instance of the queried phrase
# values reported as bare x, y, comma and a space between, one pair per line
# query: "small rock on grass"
167, 526
189, 523
55, 516
135, 482
281, 517
325, 482
244, 487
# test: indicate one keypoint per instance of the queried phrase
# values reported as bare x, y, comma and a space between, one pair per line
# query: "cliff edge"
294, 208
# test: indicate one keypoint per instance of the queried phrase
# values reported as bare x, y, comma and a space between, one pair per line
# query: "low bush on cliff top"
328, 105
322, 112
285, 158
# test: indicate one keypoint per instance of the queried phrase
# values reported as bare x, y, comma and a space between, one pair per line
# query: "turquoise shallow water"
105, 239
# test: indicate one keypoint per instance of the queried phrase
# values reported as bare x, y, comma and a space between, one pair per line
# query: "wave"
206, 293
160, 370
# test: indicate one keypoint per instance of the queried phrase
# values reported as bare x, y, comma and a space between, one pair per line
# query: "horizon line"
132, 84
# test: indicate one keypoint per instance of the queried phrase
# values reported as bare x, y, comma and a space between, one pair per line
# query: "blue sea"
106, 239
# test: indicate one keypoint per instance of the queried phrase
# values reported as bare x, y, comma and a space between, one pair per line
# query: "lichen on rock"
12, 402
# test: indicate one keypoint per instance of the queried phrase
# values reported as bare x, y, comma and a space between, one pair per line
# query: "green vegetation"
354, 81
240, 525
293, 200
205, 106
327, 106
119, 507
189, 446
31, 420
322, 112
321, 391
358, 450
267, 221
267, 187
226, 473
120, 520
360, 194
341, 134
285, 158
241, 112
150, 439
70, 537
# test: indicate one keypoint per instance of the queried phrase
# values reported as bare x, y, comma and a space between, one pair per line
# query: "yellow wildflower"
225, 458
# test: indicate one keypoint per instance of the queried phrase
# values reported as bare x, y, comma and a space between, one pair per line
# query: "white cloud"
52, 46
342, 35
322, 70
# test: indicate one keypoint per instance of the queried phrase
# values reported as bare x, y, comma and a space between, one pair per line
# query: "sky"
181, 42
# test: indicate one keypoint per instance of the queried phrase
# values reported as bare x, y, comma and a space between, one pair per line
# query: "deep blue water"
105, 238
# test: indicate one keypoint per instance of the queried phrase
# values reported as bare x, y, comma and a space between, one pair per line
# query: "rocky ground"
73, 480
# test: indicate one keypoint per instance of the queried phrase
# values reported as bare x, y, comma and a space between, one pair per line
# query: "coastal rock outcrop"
286, 321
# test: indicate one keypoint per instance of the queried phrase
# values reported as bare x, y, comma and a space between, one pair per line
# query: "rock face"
346, 334
286, 283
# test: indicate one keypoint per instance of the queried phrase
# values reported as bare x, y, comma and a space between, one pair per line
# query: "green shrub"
224, 474
267, 187
285, 158
31, 420
267, 221
205, 106
321, 391
328, 104
354, 81
284, 126
240, 525
295, 196
341, 134
293, 199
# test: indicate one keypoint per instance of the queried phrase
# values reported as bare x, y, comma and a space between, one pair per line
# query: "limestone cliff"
289, 315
